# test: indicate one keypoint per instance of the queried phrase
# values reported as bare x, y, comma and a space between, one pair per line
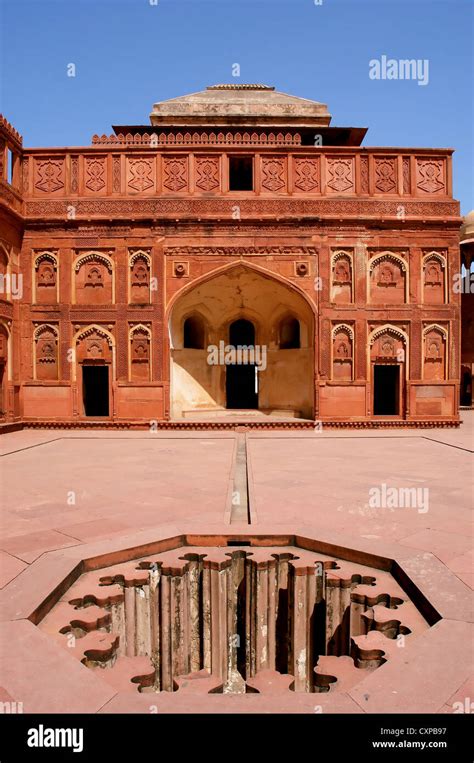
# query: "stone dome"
467, 228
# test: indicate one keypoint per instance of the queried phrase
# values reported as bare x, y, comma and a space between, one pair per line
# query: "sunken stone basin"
244, 616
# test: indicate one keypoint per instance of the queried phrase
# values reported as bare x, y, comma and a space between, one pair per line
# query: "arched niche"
93, 279
342, 289
194, 332
342, 352
45, 278
289, 333
387, 279
140, 355
45, 352
434, 352
139, 278
434, 279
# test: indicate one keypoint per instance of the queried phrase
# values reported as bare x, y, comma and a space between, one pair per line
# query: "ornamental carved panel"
93, 345
340, 175
342, 354
25, 175
180, 269
74, 174
139, 280
273, 173
433, 280
387, 281
434, 359
175, 173
364, 174
406, 174
430, 176
207, 172
341, 286
385, 174
46, 279
95, 173
116, 175
46, 353
140, 354
49, 175
388, 347
306, 174
93, 280
140, 174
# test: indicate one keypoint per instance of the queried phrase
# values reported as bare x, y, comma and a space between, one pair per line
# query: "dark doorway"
386, 390
466, 386
95, 390
241, 378
240, 173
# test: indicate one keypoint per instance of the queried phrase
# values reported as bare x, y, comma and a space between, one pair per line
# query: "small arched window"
193, 338
289, 334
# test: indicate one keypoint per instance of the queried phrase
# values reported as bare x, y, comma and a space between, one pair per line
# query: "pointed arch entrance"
242, 304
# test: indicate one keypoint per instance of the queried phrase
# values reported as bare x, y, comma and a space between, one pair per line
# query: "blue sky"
130, 53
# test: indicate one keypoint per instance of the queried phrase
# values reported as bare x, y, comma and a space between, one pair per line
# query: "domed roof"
467, 228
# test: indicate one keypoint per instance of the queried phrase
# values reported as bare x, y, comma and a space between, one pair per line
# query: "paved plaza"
61, 490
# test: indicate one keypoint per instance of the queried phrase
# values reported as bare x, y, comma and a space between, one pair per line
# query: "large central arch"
283, 319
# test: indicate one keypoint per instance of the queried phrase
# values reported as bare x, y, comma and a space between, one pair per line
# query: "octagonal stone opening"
233, 615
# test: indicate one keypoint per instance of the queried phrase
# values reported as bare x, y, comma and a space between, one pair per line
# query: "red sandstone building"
238, 216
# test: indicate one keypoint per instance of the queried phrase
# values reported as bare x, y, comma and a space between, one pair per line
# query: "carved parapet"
199, 139
8, 132
10, 197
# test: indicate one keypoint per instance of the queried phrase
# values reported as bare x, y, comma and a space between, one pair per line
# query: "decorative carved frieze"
154, 207
191, 251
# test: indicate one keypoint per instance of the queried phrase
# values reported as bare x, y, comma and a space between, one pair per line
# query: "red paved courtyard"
64, 490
